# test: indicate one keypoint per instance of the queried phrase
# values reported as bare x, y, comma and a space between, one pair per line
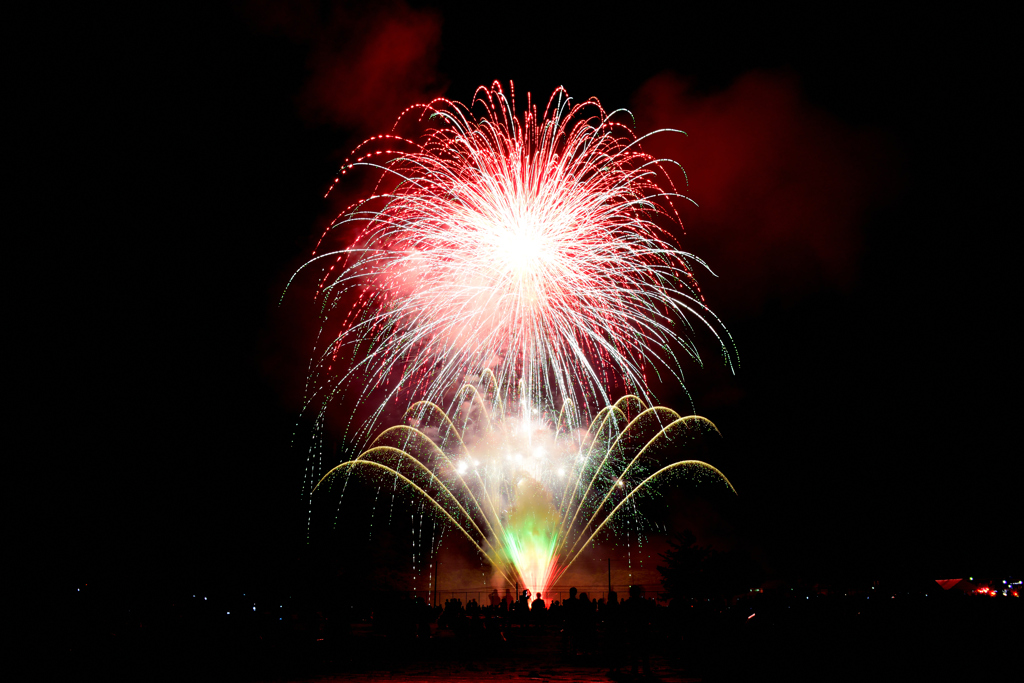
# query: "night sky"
854, 171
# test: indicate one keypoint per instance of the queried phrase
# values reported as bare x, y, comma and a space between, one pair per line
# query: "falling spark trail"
522, 511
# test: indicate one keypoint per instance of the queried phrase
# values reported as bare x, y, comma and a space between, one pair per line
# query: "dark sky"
854, 169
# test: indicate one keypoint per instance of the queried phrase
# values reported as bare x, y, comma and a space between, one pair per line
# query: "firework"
531, 493
530, 259
539, 246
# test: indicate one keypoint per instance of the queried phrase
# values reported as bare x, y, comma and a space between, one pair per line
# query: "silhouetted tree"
701, 573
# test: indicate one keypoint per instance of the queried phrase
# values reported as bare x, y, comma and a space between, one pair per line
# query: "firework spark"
532, 494
536, 245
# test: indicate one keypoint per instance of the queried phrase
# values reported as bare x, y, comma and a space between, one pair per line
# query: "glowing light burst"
531, 493
536, 245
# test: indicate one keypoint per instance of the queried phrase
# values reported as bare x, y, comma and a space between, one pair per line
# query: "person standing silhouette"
613, 631
523, 608
636, 620
538, 610
570, 630
586, 616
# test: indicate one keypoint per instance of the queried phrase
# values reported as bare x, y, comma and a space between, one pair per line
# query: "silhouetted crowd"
784, 630
611, 629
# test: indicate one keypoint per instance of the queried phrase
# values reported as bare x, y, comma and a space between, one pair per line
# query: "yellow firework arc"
531, 517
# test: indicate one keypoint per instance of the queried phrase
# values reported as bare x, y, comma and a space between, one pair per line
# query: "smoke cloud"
366, 64
782, 187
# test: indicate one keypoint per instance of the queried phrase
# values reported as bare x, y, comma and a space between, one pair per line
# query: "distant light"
751, 616
254, 608
79, 590
561, 471
229, 612
538, 452
463, 466
204, 598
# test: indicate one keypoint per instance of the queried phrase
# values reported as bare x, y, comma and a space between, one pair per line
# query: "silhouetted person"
523, 608
570, 632
446, 614
613, 631
538, 610
422, 618
473, 617
680, 612
493, 598
636, 618
586, 623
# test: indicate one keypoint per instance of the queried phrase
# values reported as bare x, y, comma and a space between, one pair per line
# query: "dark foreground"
840, 638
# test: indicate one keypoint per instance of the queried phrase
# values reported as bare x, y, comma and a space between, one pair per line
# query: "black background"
178, 180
